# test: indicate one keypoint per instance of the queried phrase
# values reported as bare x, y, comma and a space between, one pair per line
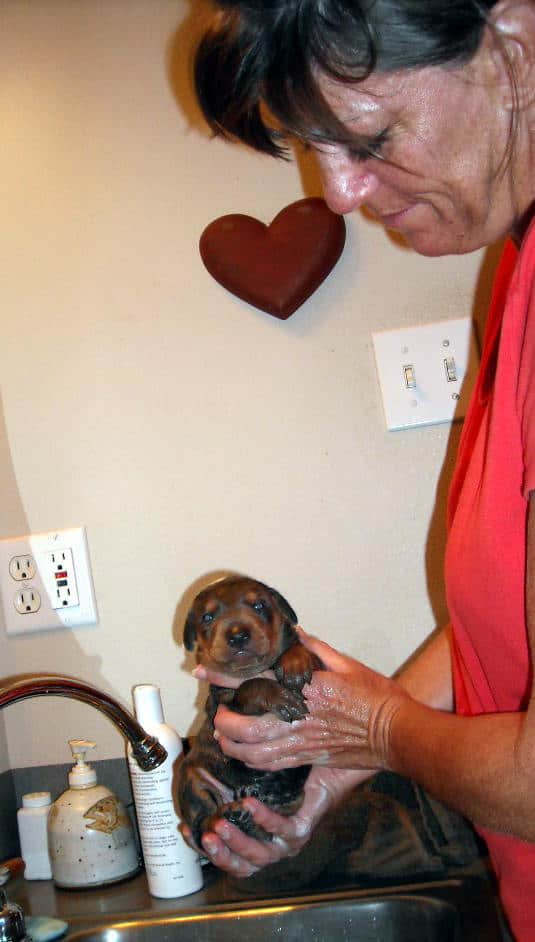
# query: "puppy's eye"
207, 618
260, 607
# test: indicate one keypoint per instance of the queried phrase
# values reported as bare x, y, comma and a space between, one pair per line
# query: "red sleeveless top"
486, 551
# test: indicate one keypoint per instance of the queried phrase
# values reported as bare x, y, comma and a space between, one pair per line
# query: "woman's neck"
522, 225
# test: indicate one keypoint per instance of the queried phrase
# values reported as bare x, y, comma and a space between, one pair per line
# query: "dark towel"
388, 830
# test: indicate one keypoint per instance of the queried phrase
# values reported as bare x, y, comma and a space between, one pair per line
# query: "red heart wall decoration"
275, 267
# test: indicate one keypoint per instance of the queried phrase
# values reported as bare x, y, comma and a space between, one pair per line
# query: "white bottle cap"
148, 704
81, 774
36, 799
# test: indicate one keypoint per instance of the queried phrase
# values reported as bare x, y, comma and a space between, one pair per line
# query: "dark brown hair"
267, 54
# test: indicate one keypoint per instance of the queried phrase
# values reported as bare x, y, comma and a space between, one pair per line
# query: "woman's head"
268, 54
421, 110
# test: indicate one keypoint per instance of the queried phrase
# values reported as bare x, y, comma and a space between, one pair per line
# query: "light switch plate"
426, 372
46, 581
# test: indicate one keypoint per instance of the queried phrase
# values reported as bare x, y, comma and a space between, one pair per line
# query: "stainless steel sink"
388, 919
455, 909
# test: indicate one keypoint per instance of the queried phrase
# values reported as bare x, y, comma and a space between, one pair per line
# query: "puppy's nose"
238, 636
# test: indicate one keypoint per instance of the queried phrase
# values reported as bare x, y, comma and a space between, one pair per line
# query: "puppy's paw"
289, 705
261, 695
295, 667
242, 819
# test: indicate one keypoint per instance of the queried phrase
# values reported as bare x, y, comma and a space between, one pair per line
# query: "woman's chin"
434, 246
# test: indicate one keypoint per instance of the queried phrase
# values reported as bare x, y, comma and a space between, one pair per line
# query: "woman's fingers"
289, 750
219, 679
260, 756
230, 849
221, 855
285, 830
252, 729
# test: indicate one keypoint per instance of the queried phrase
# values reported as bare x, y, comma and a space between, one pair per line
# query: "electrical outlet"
57, 572
27, 601
22, 568
46, 581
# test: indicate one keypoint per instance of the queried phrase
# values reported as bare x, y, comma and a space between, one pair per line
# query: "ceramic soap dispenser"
90, 836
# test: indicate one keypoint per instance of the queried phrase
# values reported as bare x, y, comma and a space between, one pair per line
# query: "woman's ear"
511, 39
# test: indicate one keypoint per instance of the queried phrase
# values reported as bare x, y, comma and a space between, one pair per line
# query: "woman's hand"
230, 849
351, 709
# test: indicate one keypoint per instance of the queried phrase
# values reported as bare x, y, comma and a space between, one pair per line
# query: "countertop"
127, 897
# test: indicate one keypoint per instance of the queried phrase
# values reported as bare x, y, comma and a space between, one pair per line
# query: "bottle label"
173, 868
157, 819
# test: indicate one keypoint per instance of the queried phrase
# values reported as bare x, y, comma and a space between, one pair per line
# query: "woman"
424, 112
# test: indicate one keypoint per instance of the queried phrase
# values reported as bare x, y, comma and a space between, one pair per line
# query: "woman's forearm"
427, 677
484, 766
470, 763
474, 764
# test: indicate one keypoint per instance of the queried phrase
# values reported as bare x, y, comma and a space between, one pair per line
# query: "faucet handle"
12, 925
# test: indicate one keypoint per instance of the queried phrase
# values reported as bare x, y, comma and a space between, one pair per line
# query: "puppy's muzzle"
238, 637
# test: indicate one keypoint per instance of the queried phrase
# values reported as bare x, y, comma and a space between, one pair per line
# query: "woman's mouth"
396, 219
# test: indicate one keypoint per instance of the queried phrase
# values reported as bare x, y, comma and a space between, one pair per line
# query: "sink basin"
384, 918
456, 909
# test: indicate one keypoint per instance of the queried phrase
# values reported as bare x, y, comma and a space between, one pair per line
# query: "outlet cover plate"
40, 547
415, 384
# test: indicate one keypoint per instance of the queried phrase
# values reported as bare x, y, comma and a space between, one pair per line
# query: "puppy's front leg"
296, 665
200, 796
261, 695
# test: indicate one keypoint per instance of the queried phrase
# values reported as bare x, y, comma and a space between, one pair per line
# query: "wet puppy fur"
242, 627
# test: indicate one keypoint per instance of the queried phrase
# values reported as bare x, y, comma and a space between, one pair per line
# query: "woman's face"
441, 136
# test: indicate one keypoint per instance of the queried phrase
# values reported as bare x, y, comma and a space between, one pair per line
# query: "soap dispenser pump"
90, 836
82, 774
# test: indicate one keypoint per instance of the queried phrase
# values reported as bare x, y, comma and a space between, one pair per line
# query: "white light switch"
410, 379
427, 372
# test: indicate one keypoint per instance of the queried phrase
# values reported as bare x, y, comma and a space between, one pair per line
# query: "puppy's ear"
284, 606
190, 632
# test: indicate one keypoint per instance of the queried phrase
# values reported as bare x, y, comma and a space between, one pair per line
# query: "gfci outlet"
46, 581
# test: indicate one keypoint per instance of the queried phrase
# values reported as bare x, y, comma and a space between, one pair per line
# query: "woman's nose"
347, 183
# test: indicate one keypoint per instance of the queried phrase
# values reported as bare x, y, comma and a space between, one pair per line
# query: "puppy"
243, 628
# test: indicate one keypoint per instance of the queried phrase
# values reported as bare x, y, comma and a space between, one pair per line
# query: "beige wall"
189, 432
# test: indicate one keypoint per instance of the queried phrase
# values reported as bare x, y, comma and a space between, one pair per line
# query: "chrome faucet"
147, 751
12, 925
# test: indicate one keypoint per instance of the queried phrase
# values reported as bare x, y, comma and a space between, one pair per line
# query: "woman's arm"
483, 766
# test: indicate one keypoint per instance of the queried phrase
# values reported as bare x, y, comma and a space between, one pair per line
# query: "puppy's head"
240, 626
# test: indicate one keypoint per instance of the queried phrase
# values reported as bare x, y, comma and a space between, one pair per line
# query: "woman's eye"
380, 142
373, 147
